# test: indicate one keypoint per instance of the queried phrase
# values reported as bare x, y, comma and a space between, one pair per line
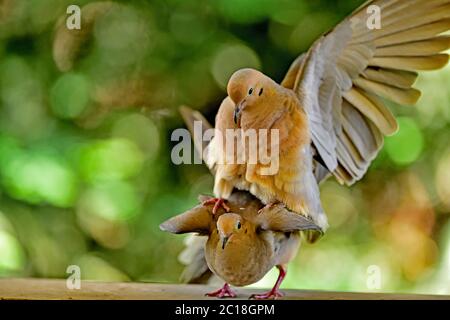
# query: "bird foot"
272, 294
218, 203
224, 292
275, 291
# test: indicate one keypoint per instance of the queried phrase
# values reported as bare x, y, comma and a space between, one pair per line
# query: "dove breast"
246, 260
242, 261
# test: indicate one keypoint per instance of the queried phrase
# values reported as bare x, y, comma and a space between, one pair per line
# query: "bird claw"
218, 202
224, 292
272, 294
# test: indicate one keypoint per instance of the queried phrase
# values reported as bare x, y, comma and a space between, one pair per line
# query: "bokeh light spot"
111, 159
141, 130
230, 59
406, 146
69, 96
12, 257
113, 201
39, 178
123, 36
443, 179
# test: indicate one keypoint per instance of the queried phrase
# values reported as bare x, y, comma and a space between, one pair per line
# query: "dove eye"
250, 91
260, 92
238, 225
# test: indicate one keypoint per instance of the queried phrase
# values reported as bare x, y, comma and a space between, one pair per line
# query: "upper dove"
328, 111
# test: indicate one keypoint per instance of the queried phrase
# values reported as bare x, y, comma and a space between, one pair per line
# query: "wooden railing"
57, 289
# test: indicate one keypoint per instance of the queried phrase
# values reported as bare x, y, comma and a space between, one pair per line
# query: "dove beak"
237, 113
224, 242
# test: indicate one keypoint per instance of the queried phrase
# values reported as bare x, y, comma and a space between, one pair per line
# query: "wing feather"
344, 75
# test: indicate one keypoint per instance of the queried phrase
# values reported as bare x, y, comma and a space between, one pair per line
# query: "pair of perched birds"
331, 121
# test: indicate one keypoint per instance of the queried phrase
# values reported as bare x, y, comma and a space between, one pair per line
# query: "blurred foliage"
85, 170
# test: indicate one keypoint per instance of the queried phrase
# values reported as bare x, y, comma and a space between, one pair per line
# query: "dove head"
252, 92
228, 224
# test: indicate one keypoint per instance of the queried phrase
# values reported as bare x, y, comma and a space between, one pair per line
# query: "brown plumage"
245, 243
328, 109
263, 104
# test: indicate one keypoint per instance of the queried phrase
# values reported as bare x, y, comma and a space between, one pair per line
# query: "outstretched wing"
346, 73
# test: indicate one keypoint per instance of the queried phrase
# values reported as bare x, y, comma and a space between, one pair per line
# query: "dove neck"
266, 118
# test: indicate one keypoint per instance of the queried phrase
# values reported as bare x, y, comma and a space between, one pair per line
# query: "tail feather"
193, 257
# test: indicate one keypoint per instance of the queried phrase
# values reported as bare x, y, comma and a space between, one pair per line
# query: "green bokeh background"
85, 170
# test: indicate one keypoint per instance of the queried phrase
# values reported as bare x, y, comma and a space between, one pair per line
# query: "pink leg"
224, 292
218, 202
275, 292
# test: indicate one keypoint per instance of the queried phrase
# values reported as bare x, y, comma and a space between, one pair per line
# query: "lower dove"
245, 242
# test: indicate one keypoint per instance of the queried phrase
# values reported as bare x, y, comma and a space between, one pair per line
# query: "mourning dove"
244, 243
328, 110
